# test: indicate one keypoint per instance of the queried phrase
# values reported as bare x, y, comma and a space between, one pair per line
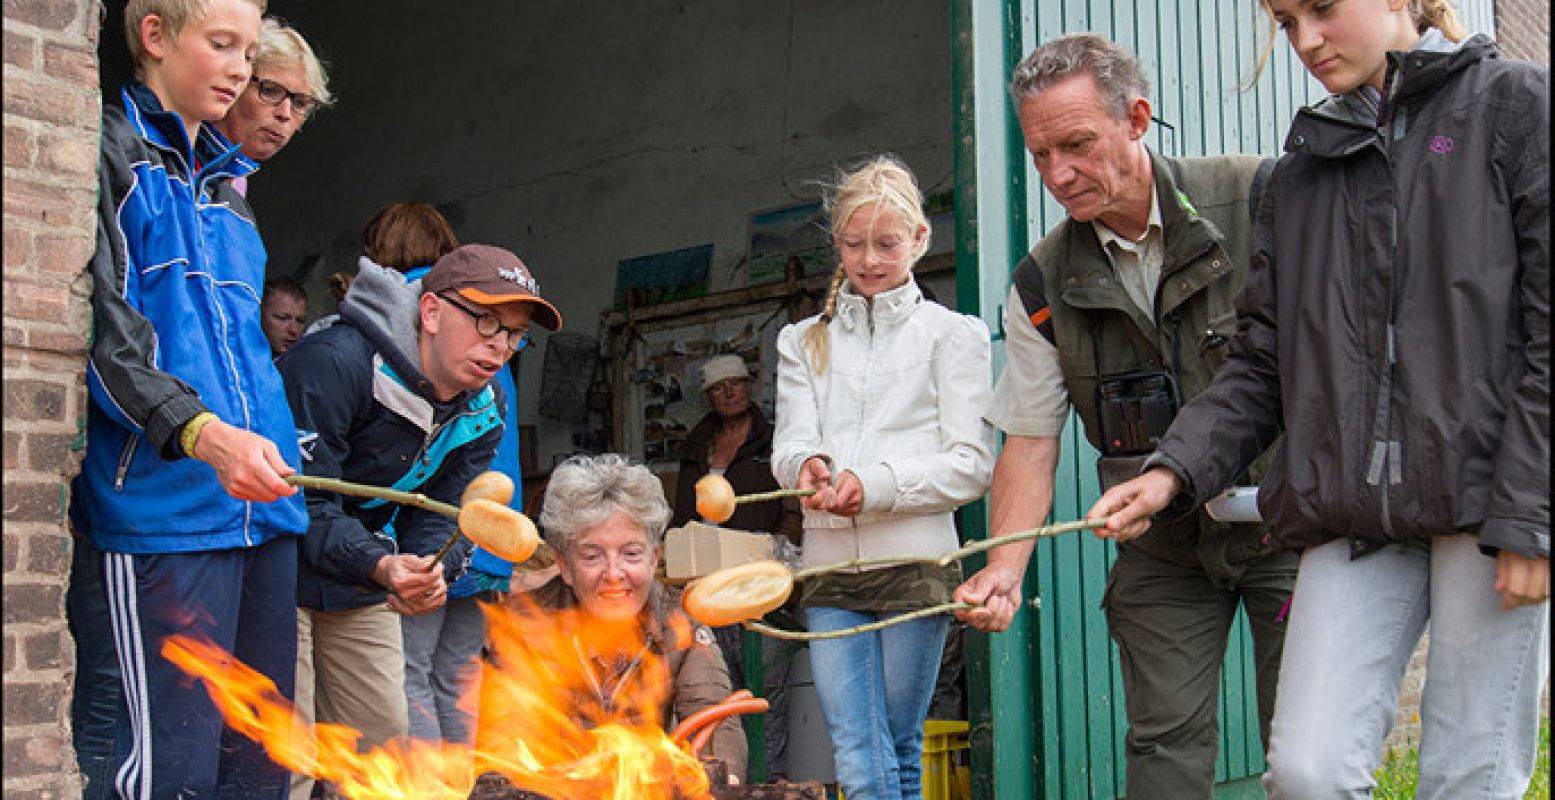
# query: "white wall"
578, 134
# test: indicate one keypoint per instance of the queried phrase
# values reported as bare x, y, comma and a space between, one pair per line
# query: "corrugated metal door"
1046, 699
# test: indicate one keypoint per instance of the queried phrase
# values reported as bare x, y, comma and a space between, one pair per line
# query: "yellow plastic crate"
947, 769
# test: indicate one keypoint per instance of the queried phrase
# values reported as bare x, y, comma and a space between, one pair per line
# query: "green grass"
1399, 773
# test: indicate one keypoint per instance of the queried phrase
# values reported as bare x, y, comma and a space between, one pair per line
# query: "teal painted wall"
1045, 698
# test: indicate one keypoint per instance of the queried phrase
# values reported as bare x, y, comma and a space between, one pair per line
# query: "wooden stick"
1043, 532
415, 499
775, 494
1046, 531
778, 633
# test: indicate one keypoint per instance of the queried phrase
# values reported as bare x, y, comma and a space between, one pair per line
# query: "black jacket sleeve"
1519, 516
328, 390
1224, 429
125, 381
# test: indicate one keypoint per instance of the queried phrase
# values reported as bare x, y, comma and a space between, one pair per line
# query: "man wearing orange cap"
399, 393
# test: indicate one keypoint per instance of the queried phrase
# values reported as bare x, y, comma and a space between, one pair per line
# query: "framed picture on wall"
792, 238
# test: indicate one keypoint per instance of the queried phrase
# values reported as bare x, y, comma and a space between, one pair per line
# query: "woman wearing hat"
735, 440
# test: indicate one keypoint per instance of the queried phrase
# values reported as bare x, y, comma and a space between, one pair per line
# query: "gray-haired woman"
605, 517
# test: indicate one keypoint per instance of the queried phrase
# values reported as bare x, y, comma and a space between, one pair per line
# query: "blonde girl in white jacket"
879, 408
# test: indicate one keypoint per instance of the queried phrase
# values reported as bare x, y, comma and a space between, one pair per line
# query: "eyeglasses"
488, 325
273, 93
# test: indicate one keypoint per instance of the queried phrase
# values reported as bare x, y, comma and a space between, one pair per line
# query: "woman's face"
1344, 43
877, 249
610, 568
730, 397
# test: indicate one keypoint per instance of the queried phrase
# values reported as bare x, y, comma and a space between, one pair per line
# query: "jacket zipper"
125, 457
1386, 454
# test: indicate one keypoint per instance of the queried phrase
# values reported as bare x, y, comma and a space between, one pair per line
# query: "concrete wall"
51, 130
578, 138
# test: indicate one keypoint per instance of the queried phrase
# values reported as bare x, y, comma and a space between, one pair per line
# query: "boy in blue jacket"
188, 433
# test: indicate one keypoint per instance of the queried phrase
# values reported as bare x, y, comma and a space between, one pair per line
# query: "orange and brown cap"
491, 276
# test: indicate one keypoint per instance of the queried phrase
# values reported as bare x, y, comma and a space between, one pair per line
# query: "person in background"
188, 438
1396, 328
96, 700
734, 440
288, 86
605, 517
404, 237
879, 409
282, 312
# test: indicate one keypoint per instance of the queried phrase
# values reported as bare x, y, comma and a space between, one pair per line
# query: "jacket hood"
1419, 70
384, 308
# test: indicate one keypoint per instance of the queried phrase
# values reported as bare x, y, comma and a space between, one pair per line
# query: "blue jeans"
442, 664
97, 700
1353, 626
875, 690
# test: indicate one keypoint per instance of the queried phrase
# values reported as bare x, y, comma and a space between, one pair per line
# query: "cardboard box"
697, 549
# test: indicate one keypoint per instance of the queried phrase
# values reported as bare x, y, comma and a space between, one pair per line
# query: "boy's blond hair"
175, 14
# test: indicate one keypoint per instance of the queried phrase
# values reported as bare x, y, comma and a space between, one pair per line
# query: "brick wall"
1523, 29
51, 115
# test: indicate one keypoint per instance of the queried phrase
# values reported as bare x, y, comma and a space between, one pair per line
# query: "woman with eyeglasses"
641, 658
288, 85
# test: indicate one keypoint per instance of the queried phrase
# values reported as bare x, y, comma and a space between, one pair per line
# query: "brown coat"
693, 664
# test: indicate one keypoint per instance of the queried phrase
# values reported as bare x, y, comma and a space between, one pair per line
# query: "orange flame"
542, 722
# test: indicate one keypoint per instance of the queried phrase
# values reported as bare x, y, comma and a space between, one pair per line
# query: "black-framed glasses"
488, 324
273, 93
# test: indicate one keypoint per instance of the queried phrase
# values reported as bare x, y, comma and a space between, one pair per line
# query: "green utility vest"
1069, 288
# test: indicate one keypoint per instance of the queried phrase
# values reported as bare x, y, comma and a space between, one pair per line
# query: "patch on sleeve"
704, 636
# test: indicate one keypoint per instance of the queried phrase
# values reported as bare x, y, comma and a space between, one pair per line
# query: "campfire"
541, 725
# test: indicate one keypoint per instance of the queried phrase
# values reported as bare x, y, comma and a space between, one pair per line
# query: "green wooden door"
1045, 697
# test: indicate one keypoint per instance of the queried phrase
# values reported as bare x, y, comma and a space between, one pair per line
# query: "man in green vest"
1124, 310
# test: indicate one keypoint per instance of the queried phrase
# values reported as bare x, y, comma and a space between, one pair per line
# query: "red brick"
44, 102
45, 651
34, 300
13, 450
10, 653
51, 14
13, 553
14, 337
46, 556
34, 752
66, 255
30, 201
19, 151
47, 361
33, 602
18, 243
70, 156
58, 342
49, 452
32, 502
71, 63
31, 399
21, 50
